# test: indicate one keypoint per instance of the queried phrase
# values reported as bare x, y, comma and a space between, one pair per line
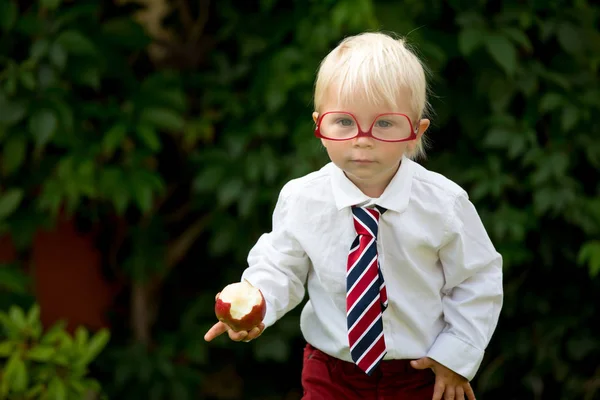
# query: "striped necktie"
366, 297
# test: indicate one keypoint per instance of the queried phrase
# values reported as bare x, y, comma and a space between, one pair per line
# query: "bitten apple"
241, 306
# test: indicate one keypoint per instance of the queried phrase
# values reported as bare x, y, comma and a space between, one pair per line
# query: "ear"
315, 116
422, 126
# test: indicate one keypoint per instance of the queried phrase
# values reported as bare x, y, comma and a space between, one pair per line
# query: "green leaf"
11, 112
174, 98
142, 194
58, 56
57, 390
6, 348
149, 137
143, 185
88, 75
50, 4
229, 191
126, 33
469, 40
13, 154
51, 197
96, 345
27, 79
276, 348
8, 15
162, 118
55, 333
17, 317
33, 315
208, 179
550, 102
14, 280
9, 202
114, 184
589, 254
65, 115
76, 43
47, 76
41, 353
81, 337
78, 386
569, 118
247, 203
39, 49
518, 36
35, 392
570, 38
503, 52
11, 330
470, 18
114, 138
42, 125
267, 5
16, 373
498, 138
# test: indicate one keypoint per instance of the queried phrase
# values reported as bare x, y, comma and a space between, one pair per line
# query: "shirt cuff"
270, 316
455, 354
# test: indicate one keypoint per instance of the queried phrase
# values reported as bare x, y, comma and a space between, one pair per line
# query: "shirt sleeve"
472, 294
277, 264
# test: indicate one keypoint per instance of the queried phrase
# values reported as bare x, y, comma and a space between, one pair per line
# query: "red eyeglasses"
388, 127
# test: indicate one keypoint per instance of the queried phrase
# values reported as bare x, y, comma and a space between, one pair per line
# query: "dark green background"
191, 142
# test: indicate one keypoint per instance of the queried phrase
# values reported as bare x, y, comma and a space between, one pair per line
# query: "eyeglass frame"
369, 133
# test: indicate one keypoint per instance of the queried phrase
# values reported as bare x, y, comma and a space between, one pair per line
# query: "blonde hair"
377, 66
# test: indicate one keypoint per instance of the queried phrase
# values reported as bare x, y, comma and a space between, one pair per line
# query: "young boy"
404, 284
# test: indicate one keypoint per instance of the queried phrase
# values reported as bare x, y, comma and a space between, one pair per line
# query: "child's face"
367, 162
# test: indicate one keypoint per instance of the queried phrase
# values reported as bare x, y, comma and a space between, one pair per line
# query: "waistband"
385, 367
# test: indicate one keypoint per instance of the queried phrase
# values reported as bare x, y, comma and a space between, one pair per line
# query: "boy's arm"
278, 265
473, 292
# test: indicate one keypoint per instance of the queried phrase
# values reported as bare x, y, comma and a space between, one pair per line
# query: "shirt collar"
395, 197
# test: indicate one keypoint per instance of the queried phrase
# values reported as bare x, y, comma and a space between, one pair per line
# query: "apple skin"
247, 322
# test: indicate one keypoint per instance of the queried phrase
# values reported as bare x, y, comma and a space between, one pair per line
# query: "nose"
363, 142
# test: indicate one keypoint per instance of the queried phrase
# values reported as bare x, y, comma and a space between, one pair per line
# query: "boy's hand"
219, 328
448, 384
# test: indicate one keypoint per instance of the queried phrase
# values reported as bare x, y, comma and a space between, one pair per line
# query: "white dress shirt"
442, 273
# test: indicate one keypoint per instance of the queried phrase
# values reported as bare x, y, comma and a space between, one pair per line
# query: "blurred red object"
67, 278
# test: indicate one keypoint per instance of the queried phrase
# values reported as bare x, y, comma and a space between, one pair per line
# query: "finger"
217, 329
438, 390
469, 392
421, 363
255, 332
449, 393
460, 393
237, 336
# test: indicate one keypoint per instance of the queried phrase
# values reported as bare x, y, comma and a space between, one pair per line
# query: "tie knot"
366, 220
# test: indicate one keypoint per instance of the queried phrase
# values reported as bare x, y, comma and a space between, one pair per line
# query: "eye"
345, 121
384, 124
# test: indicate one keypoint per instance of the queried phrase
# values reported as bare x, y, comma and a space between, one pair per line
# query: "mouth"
361, 161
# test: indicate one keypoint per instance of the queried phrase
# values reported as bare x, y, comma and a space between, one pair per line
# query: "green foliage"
48, 365
590, 254
179, 160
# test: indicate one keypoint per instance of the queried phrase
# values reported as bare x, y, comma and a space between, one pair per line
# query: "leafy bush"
51, 365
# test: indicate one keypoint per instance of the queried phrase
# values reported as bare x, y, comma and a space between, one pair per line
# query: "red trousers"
328, 378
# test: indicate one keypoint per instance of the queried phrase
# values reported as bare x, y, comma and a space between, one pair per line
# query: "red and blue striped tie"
366, 297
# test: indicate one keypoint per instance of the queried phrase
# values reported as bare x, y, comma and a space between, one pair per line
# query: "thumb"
422, 363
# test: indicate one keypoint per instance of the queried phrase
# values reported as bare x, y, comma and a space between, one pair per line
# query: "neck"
374, 188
